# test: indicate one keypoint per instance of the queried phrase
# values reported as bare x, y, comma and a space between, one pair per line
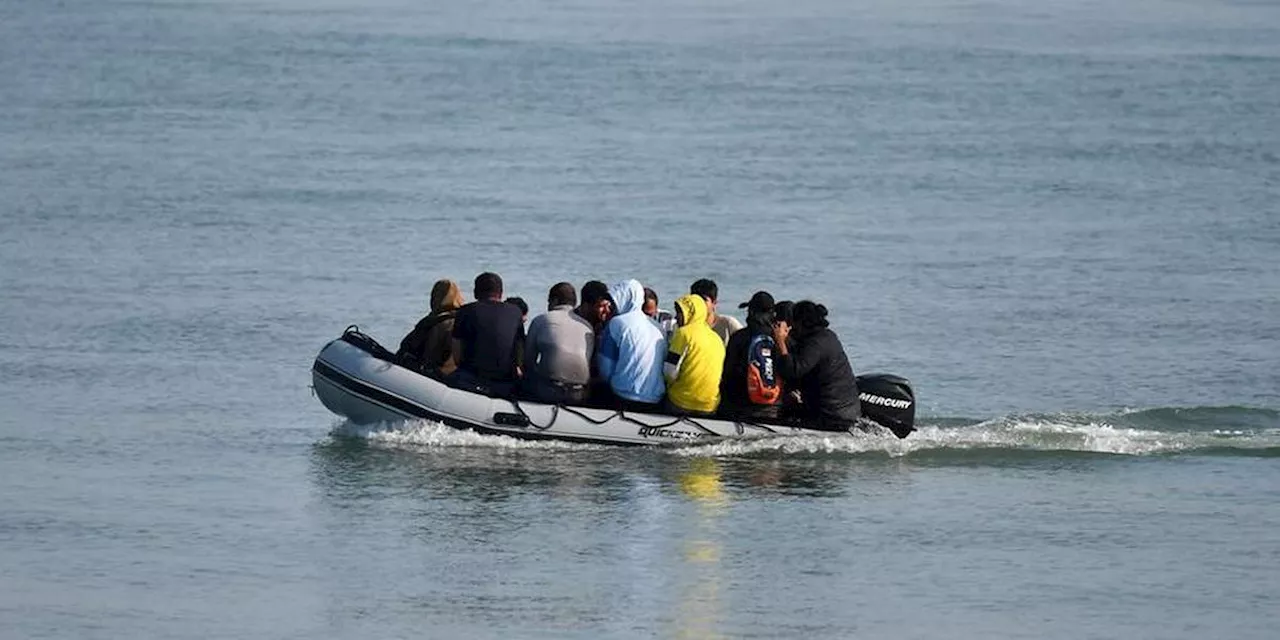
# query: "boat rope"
617, 413
574, 411
701, 426
758, 425
555, 414
627, 418
679, 419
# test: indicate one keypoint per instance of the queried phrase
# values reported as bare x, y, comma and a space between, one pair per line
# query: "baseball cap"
760, 301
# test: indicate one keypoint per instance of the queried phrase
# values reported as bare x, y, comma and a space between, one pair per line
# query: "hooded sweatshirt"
632, 349
695, 359
429, 346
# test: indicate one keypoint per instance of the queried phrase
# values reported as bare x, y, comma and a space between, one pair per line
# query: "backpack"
409, 355
763, 385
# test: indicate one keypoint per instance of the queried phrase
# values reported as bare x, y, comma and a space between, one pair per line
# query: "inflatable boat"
358, 379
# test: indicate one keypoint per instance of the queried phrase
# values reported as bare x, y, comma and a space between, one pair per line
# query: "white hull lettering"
892, 403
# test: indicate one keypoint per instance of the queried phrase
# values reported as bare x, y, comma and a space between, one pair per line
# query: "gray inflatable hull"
354, 384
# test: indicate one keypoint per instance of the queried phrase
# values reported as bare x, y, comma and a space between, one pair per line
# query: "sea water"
1060, 220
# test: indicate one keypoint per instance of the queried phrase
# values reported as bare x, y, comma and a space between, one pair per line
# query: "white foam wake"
1061, 433
1048, 434
424, 434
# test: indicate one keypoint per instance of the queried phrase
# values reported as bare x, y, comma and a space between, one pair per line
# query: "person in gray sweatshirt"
558, 350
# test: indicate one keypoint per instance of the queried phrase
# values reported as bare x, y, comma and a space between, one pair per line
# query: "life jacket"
763, 384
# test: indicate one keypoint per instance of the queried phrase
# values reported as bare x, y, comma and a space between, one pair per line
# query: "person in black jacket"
750, 387
815, 363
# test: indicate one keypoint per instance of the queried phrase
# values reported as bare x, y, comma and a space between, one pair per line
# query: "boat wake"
429, 434
1062, 433
1166, 431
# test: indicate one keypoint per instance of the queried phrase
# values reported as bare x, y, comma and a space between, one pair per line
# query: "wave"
1240, 431
1031, 434
1202, 418
428, 434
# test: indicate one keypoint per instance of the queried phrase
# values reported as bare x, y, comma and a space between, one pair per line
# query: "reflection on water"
700, 608
498, 531
501, 468
702, 481
463, 473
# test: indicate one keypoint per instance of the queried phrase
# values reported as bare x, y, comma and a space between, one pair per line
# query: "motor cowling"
889, 401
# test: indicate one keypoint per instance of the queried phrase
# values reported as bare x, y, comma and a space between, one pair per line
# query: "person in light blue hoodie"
632, 350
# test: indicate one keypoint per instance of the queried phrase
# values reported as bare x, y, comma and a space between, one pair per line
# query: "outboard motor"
889, 401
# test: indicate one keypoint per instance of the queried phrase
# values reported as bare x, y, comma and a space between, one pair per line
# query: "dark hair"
782, 311
519, 303
488, 285
705, 288
562, 293
650, 294
809, 316
594, 291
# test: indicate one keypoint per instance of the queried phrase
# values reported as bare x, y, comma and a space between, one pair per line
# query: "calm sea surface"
1060, 220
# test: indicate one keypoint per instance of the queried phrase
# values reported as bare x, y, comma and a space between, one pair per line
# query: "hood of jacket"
693, 309
628, 296
445, 296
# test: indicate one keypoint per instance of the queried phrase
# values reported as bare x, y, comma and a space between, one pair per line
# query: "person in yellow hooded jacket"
695, 359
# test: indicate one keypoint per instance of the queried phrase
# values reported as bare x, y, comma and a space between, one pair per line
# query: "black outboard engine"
889, 401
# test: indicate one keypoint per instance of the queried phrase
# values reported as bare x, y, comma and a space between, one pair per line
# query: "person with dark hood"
750, 386
811, 359
428, 347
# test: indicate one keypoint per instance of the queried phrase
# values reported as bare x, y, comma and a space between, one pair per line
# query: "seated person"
429, 347
594, 306
724, 326
487, 340
522, 306
558, 350
750, 387
632, 350
665, 319
694, 361
815, 363
782, 313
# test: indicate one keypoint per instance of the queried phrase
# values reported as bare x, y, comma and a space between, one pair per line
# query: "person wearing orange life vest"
751, 387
